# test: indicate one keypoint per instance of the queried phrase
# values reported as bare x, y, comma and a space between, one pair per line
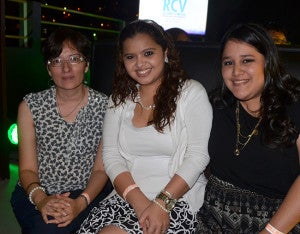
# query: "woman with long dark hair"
156, 131
254, 144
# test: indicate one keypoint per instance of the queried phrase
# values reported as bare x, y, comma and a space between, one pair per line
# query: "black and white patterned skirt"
115, 211
228, 209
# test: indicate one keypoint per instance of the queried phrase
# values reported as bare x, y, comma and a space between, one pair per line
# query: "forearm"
177, 187
97, 181
288, 214
135, 197
29, 179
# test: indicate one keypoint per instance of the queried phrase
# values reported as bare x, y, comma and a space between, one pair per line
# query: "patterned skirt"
228, 209
115, 211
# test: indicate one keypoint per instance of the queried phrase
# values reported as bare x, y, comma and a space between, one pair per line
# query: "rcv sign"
174, 6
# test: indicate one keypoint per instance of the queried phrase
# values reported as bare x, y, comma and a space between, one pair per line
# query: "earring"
166, 60
85, 82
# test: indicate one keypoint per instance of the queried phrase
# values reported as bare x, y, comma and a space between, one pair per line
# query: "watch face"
169, 203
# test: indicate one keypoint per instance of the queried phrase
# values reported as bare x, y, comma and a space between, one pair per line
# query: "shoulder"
23, 107
193, 89
193, 85
194, 98
97, 98
96, 94
38, 98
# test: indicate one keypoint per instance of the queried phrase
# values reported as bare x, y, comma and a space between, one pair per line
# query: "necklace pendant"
139, 100
236, 152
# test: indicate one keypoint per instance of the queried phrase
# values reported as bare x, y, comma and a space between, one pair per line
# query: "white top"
153, 157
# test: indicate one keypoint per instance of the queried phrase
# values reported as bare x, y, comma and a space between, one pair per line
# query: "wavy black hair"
280, 89
174, 76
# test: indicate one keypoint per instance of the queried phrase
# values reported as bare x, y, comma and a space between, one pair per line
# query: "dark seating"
199, 60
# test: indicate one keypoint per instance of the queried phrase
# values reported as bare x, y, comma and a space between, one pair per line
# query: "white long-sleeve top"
186, 143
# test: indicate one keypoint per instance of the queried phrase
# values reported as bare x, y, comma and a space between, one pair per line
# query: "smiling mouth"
239, 82
143, 72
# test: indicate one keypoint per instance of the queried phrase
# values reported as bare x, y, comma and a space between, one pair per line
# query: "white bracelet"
161, 206
272, 229
128, 189
32, 191
86, 198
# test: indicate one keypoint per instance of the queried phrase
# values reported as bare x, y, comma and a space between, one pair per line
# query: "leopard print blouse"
66, 151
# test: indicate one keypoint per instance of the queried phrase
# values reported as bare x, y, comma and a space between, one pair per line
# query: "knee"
112, 229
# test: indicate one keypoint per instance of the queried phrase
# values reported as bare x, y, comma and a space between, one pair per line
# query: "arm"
197, 117
28, 167
114, 163
288, 214
28, 163
96, 183
98, 178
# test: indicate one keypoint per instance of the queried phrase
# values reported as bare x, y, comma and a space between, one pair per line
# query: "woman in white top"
155, 138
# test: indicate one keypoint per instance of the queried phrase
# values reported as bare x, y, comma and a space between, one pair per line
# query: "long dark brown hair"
166, 96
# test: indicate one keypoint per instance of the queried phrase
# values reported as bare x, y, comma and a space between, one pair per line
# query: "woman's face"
144, 59
243, 71
68, 74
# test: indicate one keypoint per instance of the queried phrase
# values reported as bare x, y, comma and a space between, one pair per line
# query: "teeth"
239, 81
143, 72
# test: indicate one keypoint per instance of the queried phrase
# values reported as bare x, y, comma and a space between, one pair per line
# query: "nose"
237, 70
65, 65
140, 61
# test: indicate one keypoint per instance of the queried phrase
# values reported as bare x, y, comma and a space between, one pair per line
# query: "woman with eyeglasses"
60, 129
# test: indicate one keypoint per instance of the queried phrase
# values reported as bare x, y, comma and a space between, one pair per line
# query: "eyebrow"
68, 55
143, 51
242, 56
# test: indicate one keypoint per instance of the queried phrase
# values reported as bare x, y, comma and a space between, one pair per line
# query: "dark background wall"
223, 13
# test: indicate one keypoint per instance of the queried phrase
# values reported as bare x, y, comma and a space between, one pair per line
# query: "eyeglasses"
73, 59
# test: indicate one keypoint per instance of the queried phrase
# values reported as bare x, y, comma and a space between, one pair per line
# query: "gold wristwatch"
169, 202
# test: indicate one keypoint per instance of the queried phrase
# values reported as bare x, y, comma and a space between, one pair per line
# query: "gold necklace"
66, 115
241, 145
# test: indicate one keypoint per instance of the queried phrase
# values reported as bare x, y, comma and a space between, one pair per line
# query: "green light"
12, 134
14, 169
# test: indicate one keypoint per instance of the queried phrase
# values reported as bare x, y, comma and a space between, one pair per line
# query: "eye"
128, 57
248, 60
227, 63
75, 58
148, 53
56, 61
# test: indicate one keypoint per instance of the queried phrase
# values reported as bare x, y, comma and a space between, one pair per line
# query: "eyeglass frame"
68, 60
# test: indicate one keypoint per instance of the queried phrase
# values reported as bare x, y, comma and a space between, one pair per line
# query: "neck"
65, 95
252, 108
68, 105
147, 98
